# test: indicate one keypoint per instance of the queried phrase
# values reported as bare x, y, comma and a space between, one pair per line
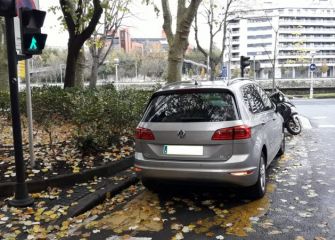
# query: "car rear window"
191, 107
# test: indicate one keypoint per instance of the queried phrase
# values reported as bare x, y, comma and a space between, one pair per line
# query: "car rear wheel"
258, 190
150, 184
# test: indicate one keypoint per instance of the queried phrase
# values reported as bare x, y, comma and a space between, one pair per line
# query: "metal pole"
254, 68
116, 77
312, 80
136, 69
61, 73
30, 116
21, 197
208, 68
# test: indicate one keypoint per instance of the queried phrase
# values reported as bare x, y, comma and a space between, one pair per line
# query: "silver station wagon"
215, 131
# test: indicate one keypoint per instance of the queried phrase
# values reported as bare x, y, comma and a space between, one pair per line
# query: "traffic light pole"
21, 197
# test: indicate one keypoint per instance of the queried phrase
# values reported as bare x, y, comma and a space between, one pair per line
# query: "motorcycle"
288, 112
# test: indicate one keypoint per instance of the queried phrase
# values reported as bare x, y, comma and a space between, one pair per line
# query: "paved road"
300, 203
321, 112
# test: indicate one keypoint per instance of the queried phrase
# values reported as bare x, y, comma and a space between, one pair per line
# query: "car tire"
150, 184
282, 146
258, 190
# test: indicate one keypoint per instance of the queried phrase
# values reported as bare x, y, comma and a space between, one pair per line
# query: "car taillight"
232, 133
144, 133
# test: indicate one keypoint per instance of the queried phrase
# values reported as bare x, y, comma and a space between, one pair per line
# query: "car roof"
222, 84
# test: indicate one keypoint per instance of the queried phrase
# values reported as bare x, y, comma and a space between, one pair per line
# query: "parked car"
214, 131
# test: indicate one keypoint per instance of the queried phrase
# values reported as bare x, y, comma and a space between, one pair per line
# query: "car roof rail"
232, 81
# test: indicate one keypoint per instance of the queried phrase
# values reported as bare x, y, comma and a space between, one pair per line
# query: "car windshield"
192, 107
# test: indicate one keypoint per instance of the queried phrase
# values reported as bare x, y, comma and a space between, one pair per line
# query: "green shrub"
99, 115
4, 104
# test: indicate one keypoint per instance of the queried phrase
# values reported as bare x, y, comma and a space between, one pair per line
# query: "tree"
178, 42
273, 58
81, 18
114, 13
3, 57
217, 17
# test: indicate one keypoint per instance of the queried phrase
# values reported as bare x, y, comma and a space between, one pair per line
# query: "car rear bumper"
194, 171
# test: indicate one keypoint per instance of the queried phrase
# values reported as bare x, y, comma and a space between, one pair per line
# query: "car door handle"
263, 123
274, 119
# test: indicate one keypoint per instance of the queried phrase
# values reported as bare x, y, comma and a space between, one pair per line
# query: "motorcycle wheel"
293, 125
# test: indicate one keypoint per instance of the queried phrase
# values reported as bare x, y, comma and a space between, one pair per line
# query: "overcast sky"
145, 23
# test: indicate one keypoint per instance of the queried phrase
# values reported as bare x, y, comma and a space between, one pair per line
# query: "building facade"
287, 39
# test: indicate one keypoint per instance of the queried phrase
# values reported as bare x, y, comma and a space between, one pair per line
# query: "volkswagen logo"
181, 134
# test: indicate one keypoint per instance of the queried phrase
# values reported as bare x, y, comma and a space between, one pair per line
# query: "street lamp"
116, 63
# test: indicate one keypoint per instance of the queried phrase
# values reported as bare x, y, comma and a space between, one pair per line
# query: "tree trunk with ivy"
178, 42
75, 14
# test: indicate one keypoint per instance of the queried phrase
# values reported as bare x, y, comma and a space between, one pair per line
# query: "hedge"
99, 115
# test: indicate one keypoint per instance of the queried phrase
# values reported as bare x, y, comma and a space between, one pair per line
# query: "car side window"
252, 99
265, 98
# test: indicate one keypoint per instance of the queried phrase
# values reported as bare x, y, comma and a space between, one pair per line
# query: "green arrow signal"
33, 44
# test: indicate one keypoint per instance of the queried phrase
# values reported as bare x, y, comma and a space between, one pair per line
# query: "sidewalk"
54, 207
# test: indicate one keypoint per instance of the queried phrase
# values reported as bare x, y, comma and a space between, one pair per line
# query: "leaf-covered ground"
46, 219
62, 157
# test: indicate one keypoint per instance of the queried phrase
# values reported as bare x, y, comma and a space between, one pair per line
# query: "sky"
145, 22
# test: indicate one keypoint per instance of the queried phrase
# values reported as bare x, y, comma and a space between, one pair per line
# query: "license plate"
183, 150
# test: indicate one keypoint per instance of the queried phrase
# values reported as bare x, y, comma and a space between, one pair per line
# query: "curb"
91, 200
7, 189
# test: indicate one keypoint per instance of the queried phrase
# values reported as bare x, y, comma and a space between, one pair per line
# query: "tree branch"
94, 20
68, 17
191, 11
167, 21
196, 37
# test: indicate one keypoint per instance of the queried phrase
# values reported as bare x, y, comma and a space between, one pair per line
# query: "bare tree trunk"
274, 62
212, 64
71, 64
78, 32
80, 69
174, 68
178, 42
94, 72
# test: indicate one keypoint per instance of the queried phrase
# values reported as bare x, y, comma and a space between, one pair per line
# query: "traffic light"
31, 22
245, 62
7, 8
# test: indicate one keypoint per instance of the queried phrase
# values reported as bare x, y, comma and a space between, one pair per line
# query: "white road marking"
326, 126
305, 122
319, 117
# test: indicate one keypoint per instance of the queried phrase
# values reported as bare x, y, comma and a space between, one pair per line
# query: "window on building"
260, 36
259, 44
259, 28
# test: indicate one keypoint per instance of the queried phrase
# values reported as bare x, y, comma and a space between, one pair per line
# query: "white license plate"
183, 150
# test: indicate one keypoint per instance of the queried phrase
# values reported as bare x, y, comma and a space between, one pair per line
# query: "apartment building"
291, 38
